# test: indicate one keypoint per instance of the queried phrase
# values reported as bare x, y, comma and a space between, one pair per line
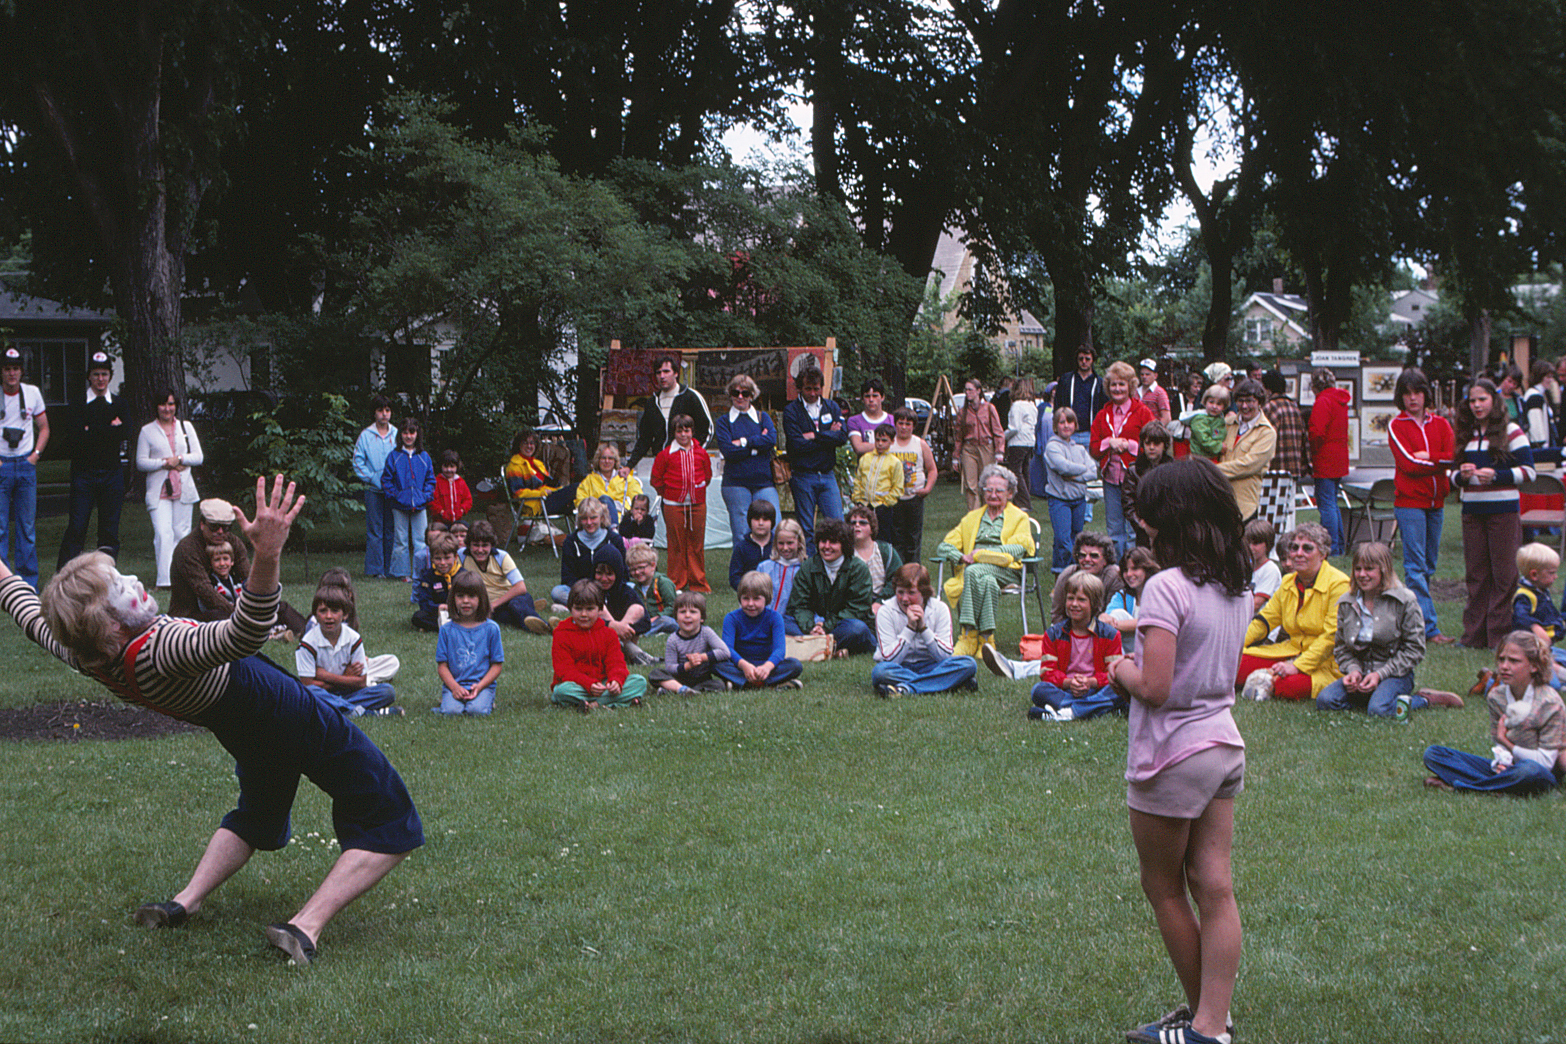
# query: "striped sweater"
181, 668
1500, 496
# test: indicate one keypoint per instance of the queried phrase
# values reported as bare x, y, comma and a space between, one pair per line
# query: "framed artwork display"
1373, 422
1380, 382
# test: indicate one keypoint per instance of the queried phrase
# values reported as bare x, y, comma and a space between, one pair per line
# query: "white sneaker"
995, 661
1258, 685
1065, 714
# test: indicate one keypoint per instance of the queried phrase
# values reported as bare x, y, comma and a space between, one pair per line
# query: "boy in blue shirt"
1533, 609
754, 635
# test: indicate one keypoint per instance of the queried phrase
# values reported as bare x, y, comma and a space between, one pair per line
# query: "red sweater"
1422, 484
587, 657
680, 476
1131, 429
1057, 643
452, 499
1329, 433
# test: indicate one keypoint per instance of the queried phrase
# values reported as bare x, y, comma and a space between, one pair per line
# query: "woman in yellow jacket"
1306, 607
607, 484
987, 548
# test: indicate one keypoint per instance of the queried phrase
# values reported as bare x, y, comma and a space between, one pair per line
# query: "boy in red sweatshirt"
590, 669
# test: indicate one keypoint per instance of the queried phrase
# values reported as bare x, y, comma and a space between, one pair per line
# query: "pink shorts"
1186, 788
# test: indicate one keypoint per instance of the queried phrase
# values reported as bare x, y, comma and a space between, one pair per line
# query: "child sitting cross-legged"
623, 609
913, 632
433, 588
589, 663
693, 651
655, 590
1076, 685
331, 659
754, 635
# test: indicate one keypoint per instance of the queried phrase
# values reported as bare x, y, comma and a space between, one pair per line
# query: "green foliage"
310, 440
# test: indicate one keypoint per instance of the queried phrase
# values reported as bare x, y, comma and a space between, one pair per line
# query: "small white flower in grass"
252, 1027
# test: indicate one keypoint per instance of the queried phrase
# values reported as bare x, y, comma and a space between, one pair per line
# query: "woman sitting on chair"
527, 478
987, 548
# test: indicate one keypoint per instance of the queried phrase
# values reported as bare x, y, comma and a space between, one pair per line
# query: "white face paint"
131, 603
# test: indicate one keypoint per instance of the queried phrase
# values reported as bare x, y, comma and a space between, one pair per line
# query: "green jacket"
815, 594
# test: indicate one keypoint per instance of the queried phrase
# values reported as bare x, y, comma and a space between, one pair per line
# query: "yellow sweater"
1311, 623
880, 481
1016, 529
618, 489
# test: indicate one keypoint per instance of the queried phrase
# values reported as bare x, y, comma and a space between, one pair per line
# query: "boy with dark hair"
832, 593
693, 652
757, 545
589, 664
623, 610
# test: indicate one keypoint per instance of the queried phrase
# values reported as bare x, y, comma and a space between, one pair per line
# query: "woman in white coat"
166, 451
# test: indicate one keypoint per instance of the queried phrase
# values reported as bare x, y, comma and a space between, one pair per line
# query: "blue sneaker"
1175, 1028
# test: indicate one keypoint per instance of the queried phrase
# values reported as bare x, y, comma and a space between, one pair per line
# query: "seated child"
692, 652
452, 499
508, 601
468, 654
1094, 553
1076, 684
331, 658
913, 632
1527, 725
1533, 609
623, 610
422, 557
1120, 612
754, 635
339, 577
655, 590
788, 554
220, 570
1266, 577
459, 529
638, 523
879, 482
589, 663
832, 592
433, 589
576, 556
757, 545
1207, 427
605, 483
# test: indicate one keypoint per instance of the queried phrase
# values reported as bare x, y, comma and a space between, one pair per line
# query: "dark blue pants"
103, 488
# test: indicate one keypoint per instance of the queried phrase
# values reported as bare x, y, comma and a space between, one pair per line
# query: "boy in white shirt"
331, 659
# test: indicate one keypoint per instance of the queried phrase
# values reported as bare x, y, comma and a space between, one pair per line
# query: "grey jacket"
1397, 641
1070, 466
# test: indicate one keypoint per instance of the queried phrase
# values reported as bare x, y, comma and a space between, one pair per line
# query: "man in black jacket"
96, 430
670, 400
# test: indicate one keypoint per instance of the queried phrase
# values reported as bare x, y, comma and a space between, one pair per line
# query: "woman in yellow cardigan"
986, 548
1306, 607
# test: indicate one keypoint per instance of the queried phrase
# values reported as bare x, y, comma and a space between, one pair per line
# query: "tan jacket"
1244, 460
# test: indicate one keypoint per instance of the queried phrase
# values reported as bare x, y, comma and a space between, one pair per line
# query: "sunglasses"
739, 393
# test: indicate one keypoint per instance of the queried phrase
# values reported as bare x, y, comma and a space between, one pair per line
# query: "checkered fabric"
1277, 500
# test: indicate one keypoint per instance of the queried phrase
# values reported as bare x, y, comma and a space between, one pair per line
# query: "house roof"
34, 310
1285, 307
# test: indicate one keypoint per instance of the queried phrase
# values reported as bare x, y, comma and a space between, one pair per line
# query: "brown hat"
215, 510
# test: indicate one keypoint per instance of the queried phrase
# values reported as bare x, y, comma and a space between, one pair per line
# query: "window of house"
55, 364
1258, 331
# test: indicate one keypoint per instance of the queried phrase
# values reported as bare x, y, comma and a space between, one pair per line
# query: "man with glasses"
189, 570
670, 400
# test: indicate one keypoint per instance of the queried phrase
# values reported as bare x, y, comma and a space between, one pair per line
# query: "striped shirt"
1500, 496
181, 667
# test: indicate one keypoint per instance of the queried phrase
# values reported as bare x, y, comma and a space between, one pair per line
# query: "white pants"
170, 525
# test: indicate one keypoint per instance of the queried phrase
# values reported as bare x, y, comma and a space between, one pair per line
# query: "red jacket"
675, 482
1422, 484
1057, 643
1329, 433
587, 657
1132, 429
452, 499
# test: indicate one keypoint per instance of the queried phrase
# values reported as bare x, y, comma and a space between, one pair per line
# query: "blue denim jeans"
852, 636
103, 488
482, 702
1066, 518
1381, 703
1083, 436
1421, 533
1115, 520
407, 539
931, 676
812, 491
18, 512
1327, 505
1086, 705
737, 499
377, 533
1466, 771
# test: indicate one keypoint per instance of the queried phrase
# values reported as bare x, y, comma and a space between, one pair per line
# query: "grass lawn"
816, 866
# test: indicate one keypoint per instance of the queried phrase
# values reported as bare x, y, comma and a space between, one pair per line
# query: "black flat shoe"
295, 943
161, 915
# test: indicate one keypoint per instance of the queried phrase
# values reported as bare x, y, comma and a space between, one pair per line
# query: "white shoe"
1258, 685
1065, 714
995, 661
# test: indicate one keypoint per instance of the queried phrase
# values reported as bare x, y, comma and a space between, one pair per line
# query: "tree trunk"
1478, 342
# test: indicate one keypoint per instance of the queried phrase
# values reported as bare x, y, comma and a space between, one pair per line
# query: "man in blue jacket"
814, 428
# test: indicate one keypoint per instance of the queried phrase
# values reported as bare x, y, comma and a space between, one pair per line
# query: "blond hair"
755, 585
1535, 555
1375, 553
76, 607
1120, 371
1216, 393
1086, 583
638, 553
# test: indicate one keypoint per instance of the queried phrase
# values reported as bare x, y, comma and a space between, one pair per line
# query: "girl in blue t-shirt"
468, 653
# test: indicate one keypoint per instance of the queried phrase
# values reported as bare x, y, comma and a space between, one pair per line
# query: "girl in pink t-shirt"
1185, 760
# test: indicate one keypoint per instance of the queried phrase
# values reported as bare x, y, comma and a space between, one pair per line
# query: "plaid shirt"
1293, 453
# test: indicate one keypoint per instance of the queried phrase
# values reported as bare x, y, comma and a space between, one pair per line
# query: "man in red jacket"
1329, 449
